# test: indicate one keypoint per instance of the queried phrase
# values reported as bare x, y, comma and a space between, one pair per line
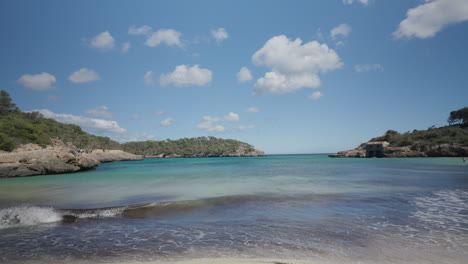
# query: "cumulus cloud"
166, 122
170, 37
348, 2
342, 30
252, 110
128, 137
219, 34
103, 41
143, 30
244, 75
293, 65
315, 95
148, 78
368, 67
126, 47
84, 75
210, 127
425, 20
100, 111
92, 125
208, 123
39, 82
184, 75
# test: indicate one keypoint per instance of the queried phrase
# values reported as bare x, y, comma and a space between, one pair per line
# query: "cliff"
31, 159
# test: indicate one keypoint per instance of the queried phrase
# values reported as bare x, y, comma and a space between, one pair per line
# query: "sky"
285, 76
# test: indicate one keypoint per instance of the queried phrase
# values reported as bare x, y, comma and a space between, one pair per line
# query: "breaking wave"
34, 215
27, 216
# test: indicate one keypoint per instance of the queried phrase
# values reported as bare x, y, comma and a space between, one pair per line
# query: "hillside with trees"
18, 128
188, 147
447, 141
455, 133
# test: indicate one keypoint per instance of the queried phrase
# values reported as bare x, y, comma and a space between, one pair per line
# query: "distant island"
447, 141
33, 145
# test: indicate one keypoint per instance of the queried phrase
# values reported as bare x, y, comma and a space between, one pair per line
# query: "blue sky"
318, 76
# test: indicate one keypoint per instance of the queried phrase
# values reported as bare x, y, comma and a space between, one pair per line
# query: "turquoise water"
300, 206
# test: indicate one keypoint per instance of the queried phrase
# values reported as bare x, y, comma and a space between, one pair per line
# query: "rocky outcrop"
241, 152
444, 150
104, 155
43, 161
31, 159
424, 150
354, 153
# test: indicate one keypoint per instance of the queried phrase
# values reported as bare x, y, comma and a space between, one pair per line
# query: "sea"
305, 207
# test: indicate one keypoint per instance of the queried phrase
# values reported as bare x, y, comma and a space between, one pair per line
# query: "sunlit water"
281, 206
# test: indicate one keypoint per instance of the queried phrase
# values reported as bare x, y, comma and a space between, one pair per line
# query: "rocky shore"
388, 151
31, 159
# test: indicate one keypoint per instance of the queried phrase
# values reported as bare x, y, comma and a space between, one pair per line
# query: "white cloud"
148, 78
126, 47
348, 2
368, 67
100, 111
315, 95
84, 75
184, 75
231, 117
252, 110
244, 75
170, 37
425, 20
92, 125
128, 137
208, 126
208, 123
294, 65
244, 127
143, 30
219, 34
341, 30
39, 82
166, 122
103, 41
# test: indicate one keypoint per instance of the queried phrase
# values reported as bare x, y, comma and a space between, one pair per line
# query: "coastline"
33, 160
383, 149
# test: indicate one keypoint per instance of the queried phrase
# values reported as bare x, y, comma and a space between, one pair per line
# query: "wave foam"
444, 210
27, 216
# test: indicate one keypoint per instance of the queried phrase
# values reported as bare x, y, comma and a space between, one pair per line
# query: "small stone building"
376, 149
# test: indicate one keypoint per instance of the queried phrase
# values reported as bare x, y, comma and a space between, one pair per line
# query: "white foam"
445, 210
27, 216
99, 213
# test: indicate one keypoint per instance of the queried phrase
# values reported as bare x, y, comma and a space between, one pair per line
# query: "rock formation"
31, 159
388, 151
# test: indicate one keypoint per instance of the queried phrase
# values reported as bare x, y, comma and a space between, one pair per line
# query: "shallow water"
283, 206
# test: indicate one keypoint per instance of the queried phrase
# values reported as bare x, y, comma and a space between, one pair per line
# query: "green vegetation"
455, 133
17, 128
200, 146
